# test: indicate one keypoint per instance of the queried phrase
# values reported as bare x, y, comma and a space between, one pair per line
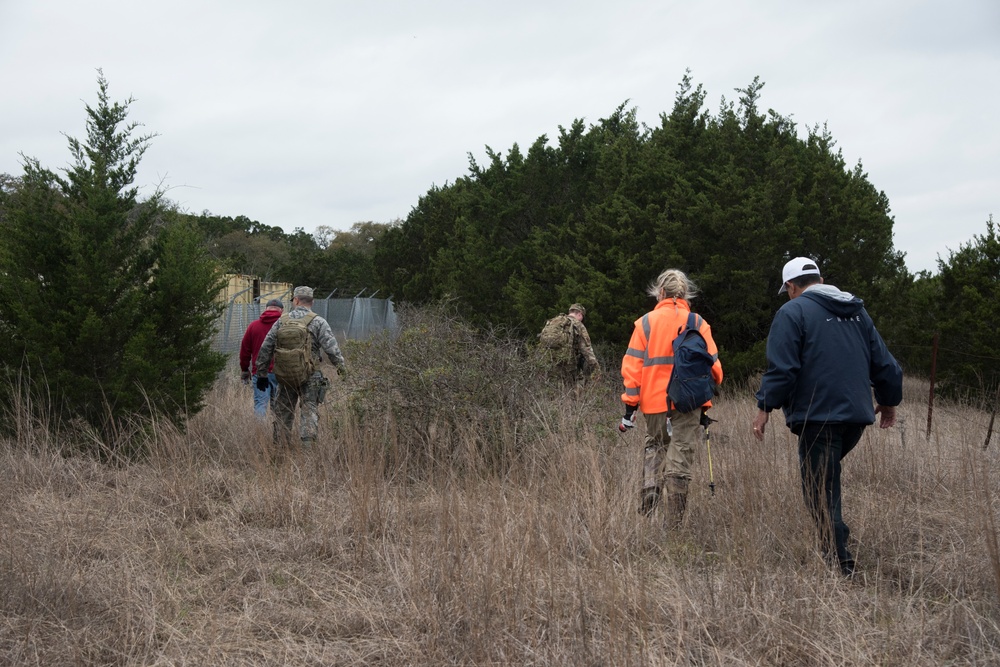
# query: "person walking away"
671, 435
824, 360
296, 343
566, 345
250, 347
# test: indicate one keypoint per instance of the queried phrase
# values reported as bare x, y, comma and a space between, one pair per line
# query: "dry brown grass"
209, 553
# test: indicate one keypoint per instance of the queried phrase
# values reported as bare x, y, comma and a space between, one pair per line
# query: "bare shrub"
449, 397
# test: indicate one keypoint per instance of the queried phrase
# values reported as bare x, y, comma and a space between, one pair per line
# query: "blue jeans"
262, 399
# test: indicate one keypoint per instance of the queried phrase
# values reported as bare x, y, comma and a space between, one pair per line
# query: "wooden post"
993, 416
930, 397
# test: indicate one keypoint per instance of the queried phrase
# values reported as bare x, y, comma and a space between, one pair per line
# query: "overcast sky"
324, 112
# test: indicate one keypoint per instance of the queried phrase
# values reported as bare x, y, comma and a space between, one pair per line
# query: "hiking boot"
677, 491
677, 504
847, 568
649, 499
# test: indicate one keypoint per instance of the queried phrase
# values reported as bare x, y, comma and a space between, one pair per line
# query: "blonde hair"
672, 284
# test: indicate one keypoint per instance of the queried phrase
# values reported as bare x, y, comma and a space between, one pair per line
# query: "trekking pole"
706, 421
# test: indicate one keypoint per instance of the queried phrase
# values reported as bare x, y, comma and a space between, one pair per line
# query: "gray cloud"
329, 112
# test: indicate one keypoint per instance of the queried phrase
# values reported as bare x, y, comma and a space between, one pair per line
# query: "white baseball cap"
800, 266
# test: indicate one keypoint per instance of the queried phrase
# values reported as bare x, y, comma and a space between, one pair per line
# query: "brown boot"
677, 493
649, 498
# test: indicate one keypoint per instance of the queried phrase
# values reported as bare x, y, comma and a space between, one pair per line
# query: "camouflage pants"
310, 394
670, 454
567, 374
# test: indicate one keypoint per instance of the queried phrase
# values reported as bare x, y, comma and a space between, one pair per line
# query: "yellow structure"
242, 288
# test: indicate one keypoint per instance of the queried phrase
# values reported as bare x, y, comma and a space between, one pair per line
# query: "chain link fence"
350, 319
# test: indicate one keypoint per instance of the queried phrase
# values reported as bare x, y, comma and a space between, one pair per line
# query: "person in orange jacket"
670, 434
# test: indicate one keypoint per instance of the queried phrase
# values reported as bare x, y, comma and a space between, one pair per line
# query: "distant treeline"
597, 214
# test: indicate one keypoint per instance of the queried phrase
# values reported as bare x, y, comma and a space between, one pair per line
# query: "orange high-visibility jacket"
649, 359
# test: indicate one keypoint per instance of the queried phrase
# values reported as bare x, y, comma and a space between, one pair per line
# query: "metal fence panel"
351, 319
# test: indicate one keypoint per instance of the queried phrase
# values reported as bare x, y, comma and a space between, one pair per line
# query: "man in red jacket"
252, 340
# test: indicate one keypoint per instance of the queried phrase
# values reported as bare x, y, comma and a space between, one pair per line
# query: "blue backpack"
691, 384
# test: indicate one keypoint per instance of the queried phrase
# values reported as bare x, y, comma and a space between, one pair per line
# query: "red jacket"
253, 338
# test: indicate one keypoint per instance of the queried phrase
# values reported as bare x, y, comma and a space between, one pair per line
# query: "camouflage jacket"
586, 361
322, 340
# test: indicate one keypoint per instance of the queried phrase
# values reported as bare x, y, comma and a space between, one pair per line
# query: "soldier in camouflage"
583, 362
313, 390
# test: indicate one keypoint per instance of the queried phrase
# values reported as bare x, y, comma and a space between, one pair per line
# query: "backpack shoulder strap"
287, 317
694, 321
307, 320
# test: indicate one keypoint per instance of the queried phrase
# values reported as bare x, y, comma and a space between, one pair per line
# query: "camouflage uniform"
312, 391
583, 353
582, 362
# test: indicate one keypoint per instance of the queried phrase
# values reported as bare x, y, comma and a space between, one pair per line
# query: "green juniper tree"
107, 300
727, 198
969, 316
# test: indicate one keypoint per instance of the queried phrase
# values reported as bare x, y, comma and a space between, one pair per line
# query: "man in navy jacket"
824, 360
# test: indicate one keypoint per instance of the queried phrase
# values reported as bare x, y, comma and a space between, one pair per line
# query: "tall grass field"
460, 510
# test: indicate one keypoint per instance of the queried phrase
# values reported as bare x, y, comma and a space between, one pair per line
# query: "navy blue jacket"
824, 358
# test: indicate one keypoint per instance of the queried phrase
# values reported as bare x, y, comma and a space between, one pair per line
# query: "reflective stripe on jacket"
649, 359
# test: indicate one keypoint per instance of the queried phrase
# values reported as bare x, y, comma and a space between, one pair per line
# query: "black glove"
263, 383
628, 421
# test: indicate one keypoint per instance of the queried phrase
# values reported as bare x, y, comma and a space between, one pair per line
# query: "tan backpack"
293, 360
557, 338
